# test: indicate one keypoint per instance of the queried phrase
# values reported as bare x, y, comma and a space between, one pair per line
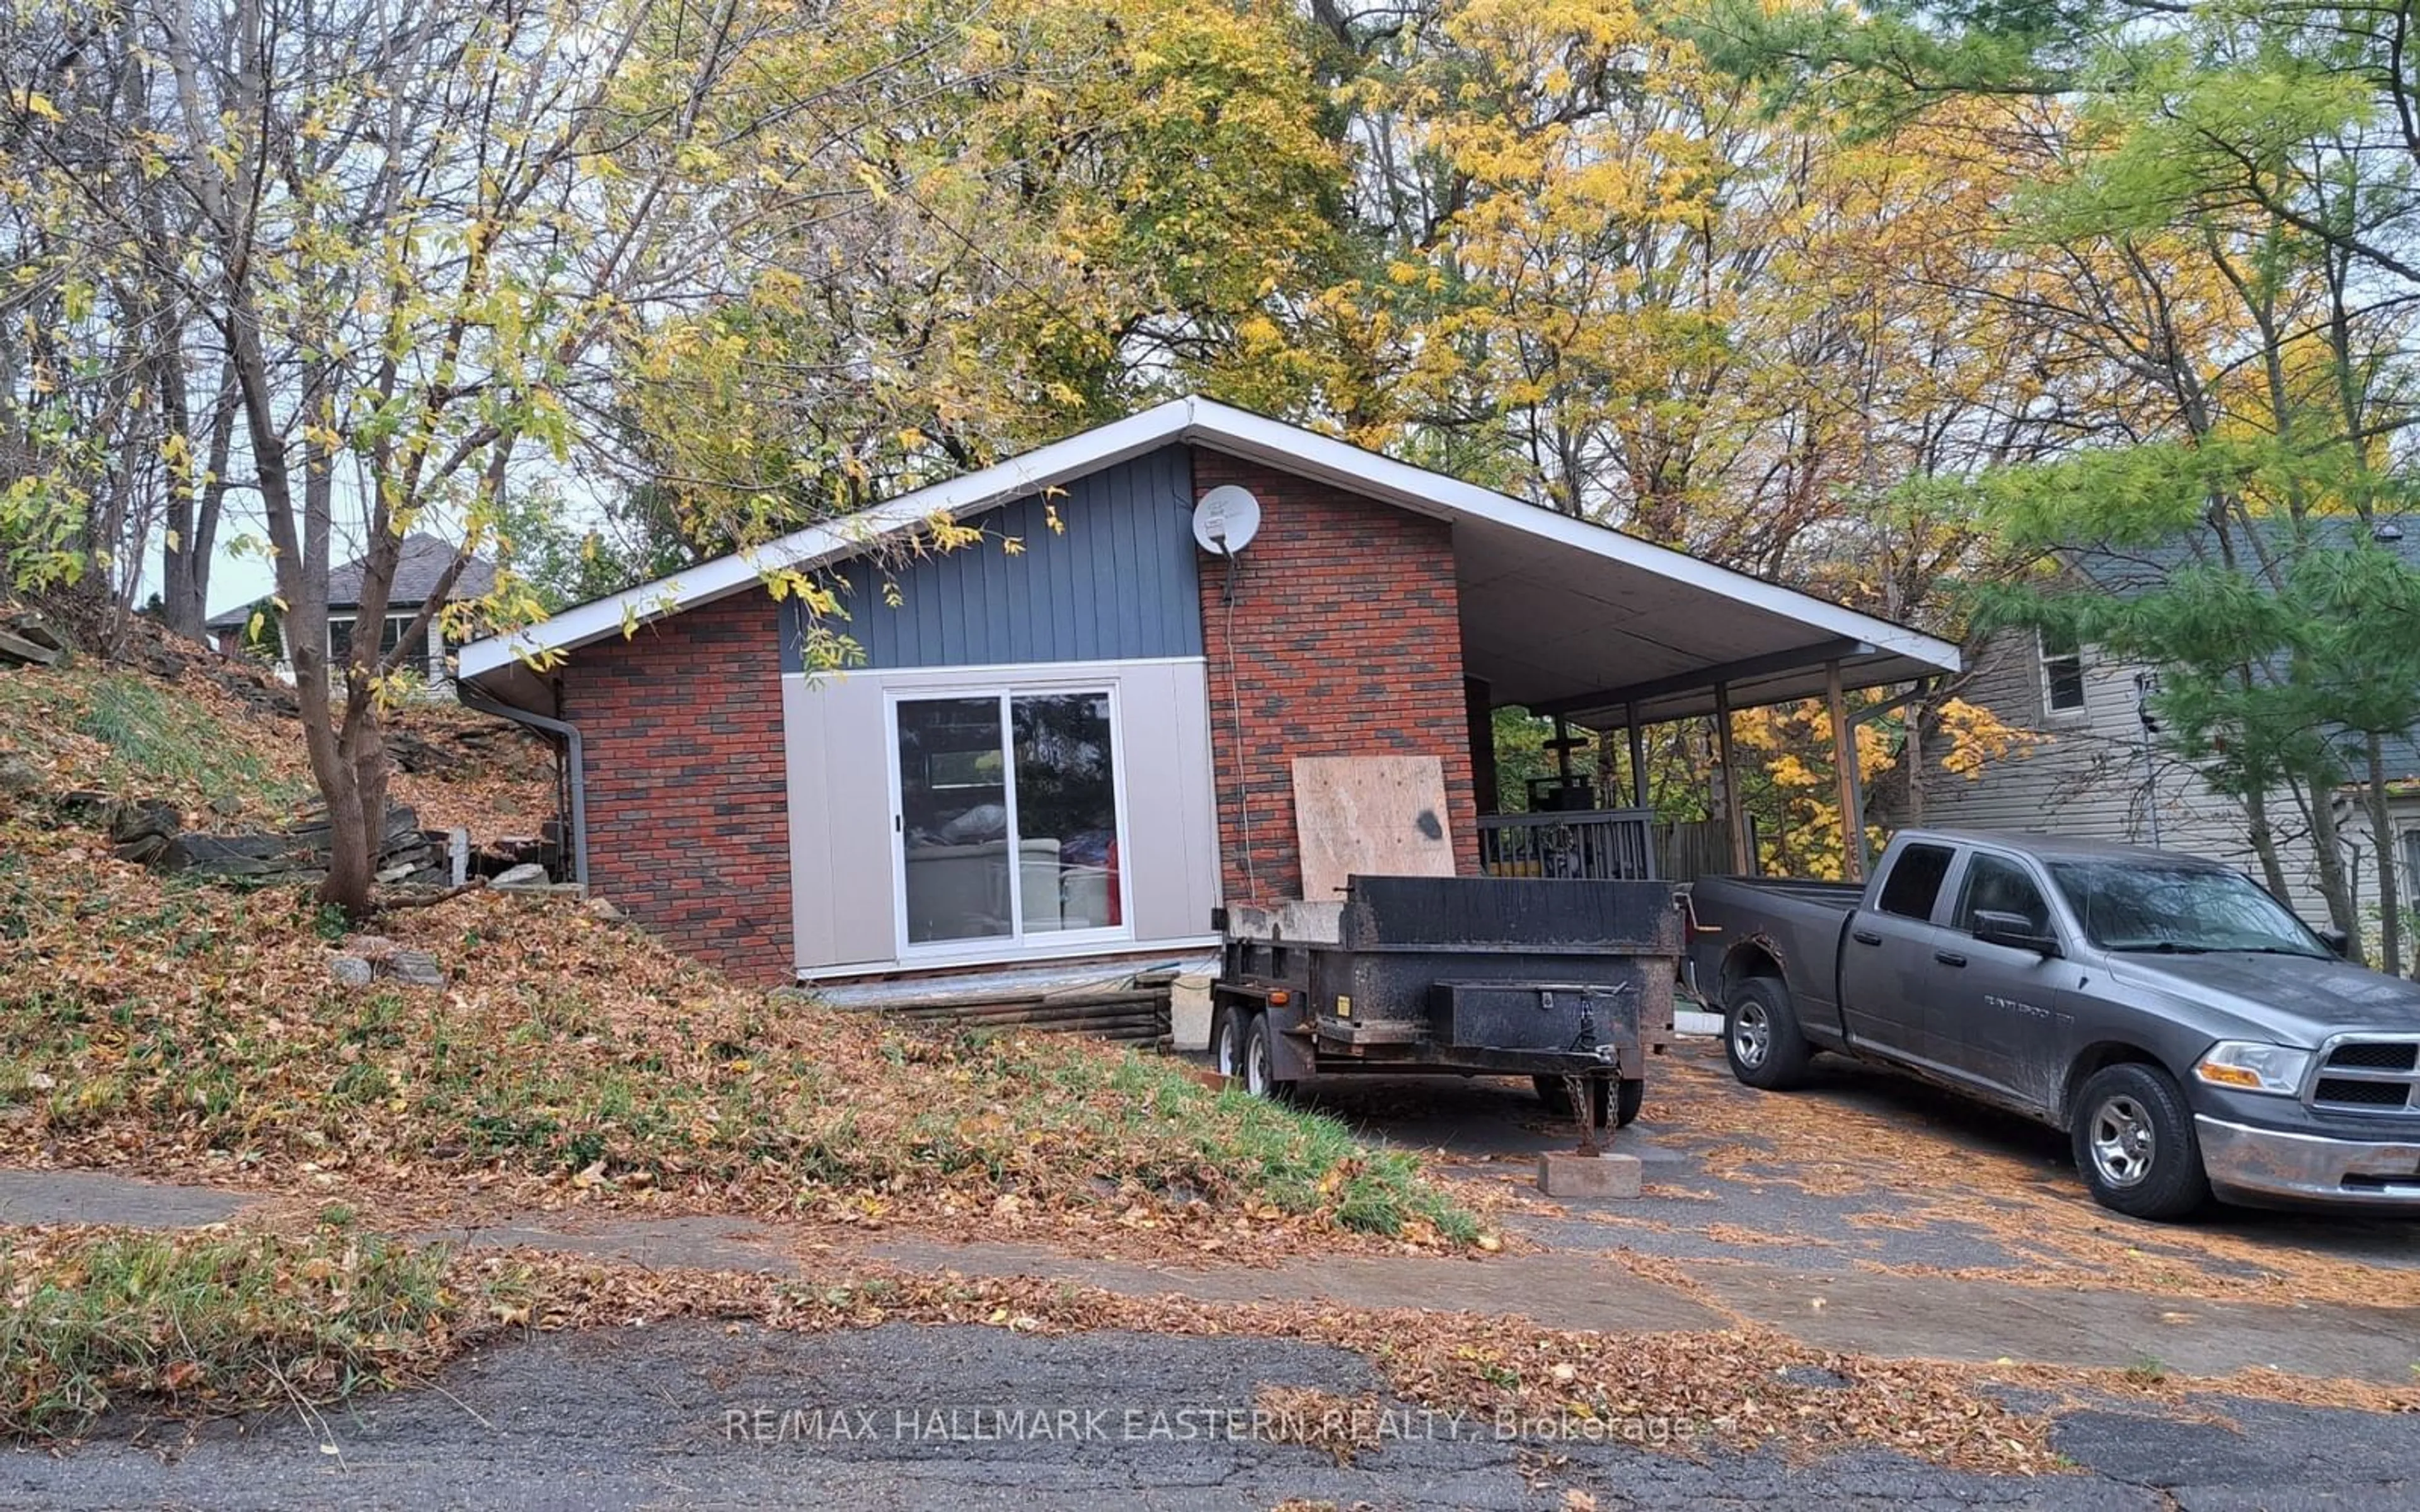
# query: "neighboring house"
1082, 746
2093, 769
423, 563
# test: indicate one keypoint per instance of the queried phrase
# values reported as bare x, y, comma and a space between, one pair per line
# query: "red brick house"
1082, 745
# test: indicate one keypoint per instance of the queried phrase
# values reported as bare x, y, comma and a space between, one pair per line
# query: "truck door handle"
1949, 958
1865, 936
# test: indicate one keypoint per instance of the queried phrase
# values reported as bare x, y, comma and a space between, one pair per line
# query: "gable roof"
1514, 536
424, 561
2131, 570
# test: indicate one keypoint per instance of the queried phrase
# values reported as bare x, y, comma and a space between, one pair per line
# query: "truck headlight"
2247, 1066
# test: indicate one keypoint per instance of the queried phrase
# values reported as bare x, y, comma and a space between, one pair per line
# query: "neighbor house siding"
1343, 637
1101, 569
688, 833
2082, 775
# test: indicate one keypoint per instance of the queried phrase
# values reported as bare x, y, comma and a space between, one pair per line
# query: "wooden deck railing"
1607, 844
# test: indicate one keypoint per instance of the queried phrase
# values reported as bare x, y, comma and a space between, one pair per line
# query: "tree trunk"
2381, 842
2335, 884
1915, 756
2264, 843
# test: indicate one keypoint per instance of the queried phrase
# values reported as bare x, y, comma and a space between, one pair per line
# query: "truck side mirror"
2014, 930
2337, 941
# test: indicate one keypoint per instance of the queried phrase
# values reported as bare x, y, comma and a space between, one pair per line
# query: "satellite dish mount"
1226, 519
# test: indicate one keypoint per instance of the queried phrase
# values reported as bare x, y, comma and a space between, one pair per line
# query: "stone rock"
351, 970
528, 876
144, 831
1564, 1174
416, 968
370, 947
602, 907
18, 776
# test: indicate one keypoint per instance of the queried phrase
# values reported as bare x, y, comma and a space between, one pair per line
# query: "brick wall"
1347, 643
688, 801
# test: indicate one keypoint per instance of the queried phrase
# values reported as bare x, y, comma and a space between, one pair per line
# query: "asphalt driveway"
1866, 1171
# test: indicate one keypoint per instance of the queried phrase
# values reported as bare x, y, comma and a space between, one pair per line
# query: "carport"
1601, 631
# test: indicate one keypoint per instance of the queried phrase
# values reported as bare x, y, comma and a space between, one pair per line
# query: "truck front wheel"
2134, 1143
1761, 1036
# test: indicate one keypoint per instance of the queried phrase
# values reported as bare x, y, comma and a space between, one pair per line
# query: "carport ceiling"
1561, 628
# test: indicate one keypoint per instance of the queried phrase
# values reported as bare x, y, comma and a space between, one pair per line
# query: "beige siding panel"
1170, 855
840, 820
802, 736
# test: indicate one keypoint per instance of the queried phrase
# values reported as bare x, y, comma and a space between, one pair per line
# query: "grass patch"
190, 742
155, 735
218, 1323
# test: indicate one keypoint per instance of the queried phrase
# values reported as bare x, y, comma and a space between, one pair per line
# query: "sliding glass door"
1009, 819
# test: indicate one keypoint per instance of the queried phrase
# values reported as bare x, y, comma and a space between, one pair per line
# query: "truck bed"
1838, 896
1798, 923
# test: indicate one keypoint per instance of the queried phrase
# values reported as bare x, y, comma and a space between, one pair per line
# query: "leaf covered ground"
208, 1324
191, 1031
1943, 1163
214, 1322
211, 740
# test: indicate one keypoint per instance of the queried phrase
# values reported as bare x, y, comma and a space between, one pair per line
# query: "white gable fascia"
833, 540
1263, 440
1220, 428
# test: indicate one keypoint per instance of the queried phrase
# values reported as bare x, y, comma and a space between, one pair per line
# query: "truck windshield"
2130, 906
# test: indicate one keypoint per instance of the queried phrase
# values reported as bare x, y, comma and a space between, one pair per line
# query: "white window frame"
1016, 943
432, 662
2043, 657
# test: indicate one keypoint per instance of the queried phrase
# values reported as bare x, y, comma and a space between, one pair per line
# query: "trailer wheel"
1259, 1062
1761, 1036
1629, 1096
1227, 1040
1554, 1092
1618, 1112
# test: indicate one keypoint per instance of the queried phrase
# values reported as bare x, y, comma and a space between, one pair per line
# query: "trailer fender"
1291, 1055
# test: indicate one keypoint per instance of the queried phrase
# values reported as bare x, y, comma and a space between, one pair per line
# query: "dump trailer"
1568, 982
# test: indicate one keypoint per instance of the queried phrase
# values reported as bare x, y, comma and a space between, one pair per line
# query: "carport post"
1638, 757
1735, 818
1844, 768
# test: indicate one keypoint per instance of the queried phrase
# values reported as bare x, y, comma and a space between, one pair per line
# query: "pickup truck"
2193, 1036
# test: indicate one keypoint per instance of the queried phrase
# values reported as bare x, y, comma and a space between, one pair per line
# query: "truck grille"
2369, 1076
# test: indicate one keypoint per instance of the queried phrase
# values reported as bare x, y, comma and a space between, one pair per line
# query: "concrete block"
1565, 1174
1188, 1013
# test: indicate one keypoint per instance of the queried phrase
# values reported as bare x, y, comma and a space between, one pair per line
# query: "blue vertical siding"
1119, 583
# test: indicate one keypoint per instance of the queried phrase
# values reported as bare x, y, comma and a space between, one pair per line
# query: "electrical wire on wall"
1235, 707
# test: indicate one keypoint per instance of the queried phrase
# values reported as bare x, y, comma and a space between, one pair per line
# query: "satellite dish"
1226, 519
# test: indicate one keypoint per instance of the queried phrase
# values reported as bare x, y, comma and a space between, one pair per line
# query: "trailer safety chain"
1584, 1037
1582, 1094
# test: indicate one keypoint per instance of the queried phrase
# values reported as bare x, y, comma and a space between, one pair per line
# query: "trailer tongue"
1569, 982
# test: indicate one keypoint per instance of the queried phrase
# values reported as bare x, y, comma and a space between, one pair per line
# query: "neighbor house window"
2410, 839
2062, 669
340, 642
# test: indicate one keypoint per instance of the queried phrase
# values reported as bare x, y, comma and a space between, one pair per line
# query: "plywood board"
1380, 816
